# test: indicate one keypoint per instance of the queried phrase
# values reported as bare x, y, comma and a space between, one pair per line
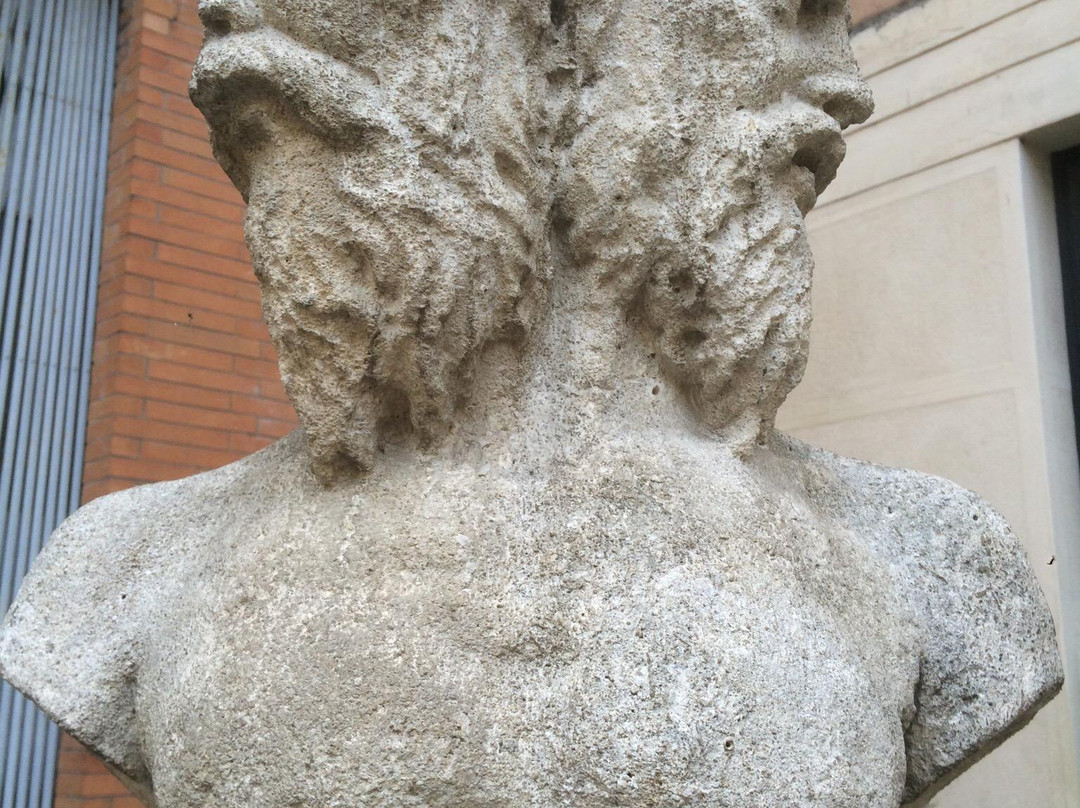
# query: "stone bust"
539, 282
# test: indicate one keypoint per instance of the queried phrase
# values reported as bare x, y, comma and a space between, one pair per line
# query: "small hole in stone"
693, 338
813, 8
729, 745
682, 281
558, 12
975, 517
217, 21
656, 390
837, 109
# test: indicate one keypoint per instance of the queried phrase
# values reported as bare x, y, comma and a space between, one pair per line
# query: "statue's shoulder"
72, 640
990, 657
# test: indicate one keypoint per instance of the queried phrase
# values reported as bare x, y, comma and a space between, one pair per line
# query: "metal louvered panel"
56, 75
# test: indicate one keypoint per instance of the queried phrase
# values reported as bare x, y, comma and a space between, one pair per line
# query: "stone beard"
396, 216
688, 186
403, 220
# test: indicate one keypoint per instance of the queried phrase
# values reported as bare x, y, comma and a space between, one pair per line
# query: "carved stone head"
421, 175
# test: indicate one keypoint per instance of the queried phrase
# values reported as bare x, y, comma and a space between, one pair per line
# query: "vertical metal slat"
34, 121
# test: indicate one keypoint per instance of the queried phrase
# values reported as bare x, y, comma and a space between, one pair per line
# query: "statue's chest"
646, 679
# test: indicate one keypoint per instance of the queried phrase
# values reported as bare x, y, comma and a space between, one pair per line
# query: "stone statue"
539, 282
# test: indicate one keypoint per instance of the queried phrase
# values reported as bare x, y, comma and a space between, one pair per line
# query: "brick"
137, 206
247, 444
155, 22
96, 469
193, 259
122, 146
251, 291
200, 298
198, 146
99, 488
182, 106
181, 414
149, 429
149, 38
154, 390
149, 95
130, 245
217, 187
269, 352
115, 405
100, 785
252, 328
201, 377
107, 311
145, 170
150, 470
231, 211
190, 336
116, 445
91, 490
161, 349
176, 159
128, 364
169, 277
275, 428
200, 223
85, 802
259, 369
144, 130
162, 62
163, 311
187, 33
170, 234
184, 124
272, 389
259, 406
189, 15
119, 323
169, 9
178, 454
77, 761
124, 284
123, 131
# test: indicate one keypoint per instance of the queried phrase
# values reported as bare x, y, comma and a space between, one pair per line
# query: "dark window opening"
1065, 168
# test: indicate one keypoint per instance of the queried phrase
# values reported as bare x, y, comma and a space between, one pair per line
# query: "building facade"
939, 340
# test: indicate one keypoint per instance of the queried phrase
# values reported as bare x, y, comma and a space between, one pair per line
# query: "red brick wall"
184, 378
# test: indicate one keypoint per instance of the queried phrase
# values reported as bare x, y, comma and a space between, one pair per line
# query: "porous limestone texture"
539, 282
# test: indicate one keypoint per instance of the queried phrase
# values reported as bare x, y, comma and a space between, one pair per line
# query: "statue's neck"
588, 373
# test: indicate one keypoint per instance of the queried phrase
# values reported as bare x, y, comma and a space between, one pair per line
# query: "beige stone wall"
865, 10
938, 340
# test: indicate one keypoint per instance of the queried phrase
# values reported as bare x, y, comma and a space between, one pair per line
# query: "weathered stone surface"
539, 281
